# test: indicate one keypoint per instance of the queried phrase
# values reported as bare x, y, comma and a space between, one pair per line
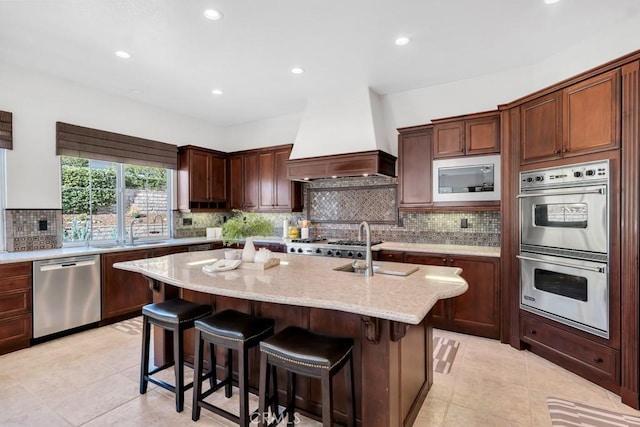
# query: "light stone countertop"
489, 251
310, 281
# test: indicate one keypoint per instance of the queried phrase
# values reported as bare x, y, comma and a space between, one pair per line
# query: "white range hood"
341, 135
344, 122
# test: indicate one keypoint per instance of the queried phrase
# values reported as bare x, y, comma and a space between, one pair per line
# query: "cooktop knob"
530, 179
349, 254
329, 252
338, 253
299, 250
292, 249
359, 254
318, 251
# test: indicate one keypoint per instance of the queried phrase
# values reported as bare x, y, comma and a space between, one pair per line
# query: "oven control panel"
577, 174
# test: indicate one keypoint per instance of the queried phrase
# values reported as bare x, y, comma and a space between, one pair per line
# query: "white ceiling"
178, 56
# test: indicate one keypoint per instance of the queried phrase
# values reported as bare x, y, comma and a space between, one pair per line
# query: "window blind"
78, 141
6, 130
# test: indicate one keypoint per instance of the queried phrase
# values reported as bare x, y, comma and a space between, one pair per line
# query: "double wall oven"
564, 245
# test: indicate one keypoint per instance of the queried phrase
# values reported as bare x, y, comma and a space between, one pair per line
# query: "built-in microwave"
473, 178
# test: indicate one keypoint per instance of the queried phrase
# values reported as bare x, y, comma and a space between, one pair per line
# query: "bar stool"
234, 331
175, 315
300, 351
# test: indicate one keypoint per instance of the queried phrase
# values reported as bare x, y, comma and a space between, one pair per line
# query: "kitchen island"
386, 315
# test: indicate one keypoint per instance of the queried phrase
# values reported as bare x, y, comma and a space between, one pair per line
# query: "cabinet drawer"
15, 333
15, 283
598, 360
15, 303
15, 269
394, 256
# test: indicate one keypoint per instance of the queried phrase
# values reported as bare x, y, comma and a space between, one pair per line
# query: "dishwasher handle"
67, 264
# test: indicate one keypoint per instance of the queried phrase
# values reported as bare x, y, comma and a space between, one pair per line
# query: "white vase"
249, 251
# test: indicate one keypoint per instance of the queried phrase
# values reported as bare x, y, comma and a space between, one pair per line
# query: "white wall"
262, 133
38, 101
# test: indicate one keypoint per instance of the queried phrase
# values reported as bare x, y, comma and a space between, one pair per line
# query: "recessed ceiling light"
297, 70
122, 54
137, 91
217, 92
401, 41
213, 14
551, 1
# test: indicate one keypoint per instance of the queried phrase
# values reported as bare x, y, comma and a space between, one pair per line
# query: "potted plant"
243, 225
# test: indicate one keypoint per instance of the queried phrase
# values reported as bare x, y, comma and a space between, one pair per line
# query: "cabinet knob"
451, 260
598, 359
556, 151
532, 331
444, 260
564, 150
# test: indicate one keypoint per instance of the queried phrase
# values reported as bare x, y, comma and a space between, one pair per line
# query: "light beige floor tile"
539, 409
481, 392
35, 416
15, 400
443, 385
552, 380
459, 416
95, 399
432, 413
504, 365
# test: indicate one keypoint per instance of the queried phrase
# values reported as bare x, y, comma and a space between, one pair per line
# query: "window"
106, 201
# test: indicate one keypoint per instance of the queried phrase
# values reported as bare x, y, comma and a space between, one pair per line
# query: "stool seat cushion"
301, 346
176, 311
235, 326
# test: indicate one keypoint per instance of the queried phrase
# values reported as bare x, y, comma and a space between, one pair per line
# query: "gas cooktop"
331, 248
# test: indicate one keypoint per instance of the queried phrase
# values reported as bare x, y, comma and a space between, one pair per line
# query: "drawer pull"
451, 260
532, 331
598, 359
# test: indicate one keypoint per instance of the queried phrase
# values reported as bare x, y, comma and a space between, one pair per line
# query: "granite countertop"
490, 251
311, 282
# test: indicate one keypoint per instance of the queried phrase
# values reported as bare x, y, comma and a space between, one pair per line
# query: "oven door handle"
563, 264
561, 193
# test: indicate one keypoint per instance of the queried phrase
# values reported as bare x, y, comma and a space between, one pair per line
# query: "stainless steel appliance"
564, 245
66, 294
473, 178
335, 248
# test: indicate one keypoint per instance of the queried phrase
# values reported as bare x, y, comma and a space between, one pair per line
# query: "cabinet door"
591, 120
477, 311
541, 132
266, 187
414, 169
236, 182
199, 170
448, 140
284, 189
441, 311
123, 292
218, 180
482, 135
251, 170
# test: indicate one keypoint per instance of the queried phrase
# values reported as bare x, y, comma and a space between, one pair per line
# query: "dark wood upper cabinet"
591, 113
258, 181
414, 166
582, 118
466, 135
202, 178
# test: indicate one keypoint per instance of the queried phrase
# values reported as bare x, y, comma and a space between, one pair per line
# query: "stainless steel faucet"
133, 221
161, 223
367, 229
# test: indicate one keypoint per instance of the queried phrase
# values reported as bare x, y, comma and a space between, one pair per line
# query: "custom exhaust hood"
341, 135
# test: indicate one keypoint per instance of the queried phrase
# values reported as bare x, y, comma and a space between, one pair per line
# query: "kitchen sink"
349, 268
394, 269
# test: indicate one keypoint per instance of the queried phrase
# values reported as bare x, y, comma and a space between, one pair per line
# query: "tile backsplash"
33, 229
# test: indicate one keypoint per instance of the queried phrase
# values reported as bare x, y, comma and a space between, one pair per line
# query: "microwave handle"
561, 193
562, 264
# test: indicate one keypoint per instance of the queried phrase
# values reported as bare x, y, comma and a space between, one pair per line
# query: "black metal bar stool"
175, 315
303, 352
234, 331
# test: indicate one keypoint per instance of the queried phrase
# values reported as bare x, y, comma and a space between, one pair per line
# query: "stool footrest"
166, 385
161, 368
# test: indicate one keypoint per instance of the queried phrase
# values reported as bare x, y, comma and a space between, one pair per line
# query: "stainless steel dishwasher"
66, 294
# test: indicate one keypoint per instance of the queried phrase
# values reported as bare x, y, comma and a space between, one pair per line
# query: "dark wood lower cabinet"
477, 311
590, 360
15, 306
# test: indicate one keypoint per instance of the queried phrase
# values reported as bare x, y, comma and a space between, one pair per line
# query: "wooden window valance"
6, 130
88, 143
